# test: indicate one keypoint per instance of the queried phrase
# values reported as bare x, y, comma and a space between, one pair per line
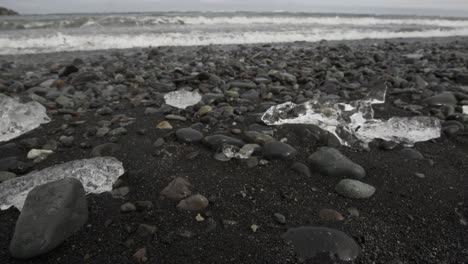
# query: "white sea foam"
68, 42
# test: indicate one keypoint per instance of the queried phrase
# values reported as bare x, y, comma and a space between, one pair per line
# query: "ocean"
30, 34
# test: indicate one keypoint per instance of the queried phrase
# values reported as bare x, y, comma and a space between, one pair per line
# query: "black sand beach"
418, 213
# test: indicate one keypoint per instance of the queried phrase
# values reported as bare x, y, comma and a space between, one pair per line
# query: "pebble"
195, 202
410, 153
353, 211
254, 228
177, 189
145, 230
36, 153
419, 175
175, 117
332, 163
189, 135
140, 256
107, 149
278, 150
67, 141
118, 131
354, 189
164, 125
144, 205
204, 110
302, 169
446, 98
102, 131
257, 137
127, 207
331, 215
280, 218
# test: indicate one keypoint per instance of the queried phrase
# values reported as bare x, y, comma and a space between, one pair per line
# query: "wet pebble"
189, 135
331, 215
354, 189
278, 150
331, 162
195, 202
127, 207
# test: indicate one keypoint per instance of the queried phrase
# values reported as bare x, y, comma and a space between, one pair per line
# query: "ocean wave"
58, 42
129, 21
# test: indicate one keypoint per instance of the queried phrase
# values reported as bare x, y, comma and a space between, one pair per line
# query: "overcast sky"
430, 7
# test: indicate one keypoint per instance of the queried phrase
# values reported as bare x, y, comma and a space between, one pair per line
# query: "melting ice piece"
17, 118
97, 175
465, 109
182, 99
231, 151
354, 124
322, 244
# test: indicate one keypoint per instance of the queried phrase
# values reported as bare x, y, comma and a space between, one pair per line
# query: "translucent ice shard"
182, 99
97, 175
465, 109
245, 152
354, 124
17, 118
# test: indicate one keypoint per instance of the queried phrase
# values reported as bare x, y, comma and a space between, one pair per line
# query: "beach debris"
97, 176
245, 152
353, 124
182, 98
18, 118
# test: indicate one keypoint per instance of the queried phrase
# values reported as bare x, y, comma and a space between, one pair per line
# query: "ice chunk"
465, 109
97, 175
245, 152
17, 118
354, 124
182, 99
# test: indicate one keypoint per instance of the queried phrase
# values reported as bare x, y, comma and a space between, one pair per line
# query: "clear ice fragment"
18, 118
245, 152
465, 109
354, 124
182, 99
97, 176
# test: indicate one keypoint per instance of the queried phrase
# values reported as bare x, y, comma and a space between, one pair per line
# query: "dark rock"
445, 98
410, 153
177, 189
51, 213
85, 77
189, 135
216, 141
257, 137
302, 169
280, 218
278, 150
7, 12
107, 149
331, 162
68, 70
322, 245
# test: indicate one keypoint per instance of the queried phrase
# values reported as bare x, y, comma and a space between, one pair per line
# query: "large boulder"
51, 213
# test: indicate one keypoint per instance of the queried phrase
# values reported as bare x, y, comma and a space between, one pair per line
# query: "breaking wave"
57, 42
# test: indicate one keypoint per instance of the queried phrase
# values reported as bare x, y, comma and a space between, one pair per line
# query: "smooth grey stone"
85, 77
321, 244
189, 135
118, 131
354, 189
127, 207
257, 137
193, 203
446, 98
217, 141
302, 169
51, 213
243, 85
280, 218
107, 149
278, 150
250, 95
410, 153
67, 141
332, 163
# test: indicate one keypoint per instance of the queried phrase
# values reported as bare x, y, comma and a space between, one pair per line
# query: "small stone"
204, 110
127, 207
254, 228
120, 192
140, 256
102, 131
331, 162
146, 230
118, 131
164, 125
194, 203
144, 205
446, 98
354, 189
410, 153
302, 169
280, 218
159, 142
257, 137
177, 189
419, 175
67, 141
175, 117
199, 218
36, 153
189, 135
353, 211
236, 131
108, 149
331, 215
278, 150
